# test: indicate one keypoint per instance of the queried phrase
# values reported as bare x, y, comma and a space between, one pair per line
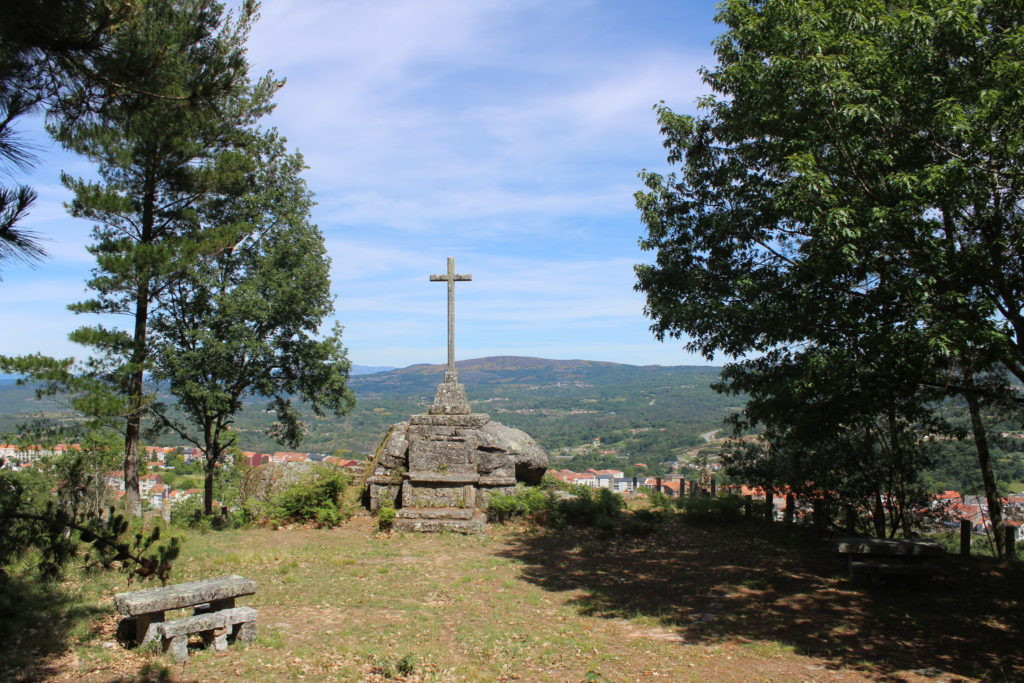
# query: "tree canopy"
172, 140
850, 194
243, 323
46, 48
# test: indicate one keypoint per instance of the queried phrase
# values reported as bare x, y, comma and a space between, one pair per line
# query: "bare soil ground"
740, 602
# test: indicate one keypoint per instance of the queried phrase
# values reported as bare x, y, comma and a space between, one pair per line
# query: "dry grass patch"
691, 603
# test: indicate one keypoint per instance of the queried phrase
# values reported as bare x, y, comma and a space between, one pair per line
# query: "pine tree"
45, 49
167, 137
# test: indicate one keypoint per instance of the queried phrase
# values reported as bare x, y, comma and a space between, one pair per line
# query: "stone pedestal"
440, 467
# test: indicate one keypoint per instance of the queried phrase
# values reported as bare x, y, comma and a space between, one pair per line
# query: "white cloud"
507, 133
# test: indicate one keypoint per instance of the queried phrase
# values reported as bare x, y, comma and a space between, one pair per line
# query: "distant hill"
640, 413
501, 370
369, 369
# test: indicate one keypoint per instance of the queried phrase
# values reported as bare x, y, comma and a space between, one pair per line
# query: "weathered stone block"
183, 595
530, 460
497, 479
435, 477
473, 525
436, 455
474, 420
437, 495
384, 493
436, 513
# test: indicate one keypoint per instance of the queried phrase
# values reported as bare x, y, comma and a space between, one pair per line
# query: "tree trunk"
878, 517
208, 486
133, 428
995, 507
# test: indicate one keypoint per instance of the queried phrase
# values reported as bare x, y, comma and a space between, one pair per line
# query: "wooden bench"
878, 558
215, 614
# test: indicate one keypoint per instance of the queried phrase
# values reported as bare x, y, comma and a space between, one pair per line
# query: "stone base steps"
460, 520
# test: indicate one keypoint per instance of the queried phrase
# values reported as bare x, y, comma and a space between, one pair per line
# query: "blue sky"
505, 133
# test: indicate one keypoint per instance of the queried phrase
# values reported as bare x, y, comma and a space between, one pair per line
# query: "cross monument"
451, 278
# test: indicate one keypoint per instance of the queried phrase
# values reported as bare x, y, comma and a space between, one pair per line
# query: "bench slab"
150, 600
213, 626
894, 569
889, 547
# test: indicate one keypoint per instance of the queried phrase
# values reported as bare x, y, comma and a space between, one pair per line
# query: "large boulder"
393, 450
528, 459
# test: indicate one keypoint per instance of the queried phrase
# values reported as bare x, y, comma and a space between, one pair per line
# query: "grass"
739, 602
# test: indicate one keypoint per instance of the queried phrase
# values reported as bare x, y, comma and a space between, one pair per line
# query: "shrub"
643, 522
385, 517
601, 509
659, 501
327, 516
700, 509
550, 482
524, 501
187, 514
315, 498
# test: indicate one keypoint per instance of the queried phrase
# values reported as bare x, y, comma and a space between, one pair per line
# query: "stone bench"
892, 569
215, 627
146, 608
877, 558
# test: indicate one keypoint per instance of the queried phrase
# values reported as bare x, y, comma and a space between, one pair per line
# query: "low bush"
701, 509
385, 517
601, 509
659, 501
317, 498
524, 501
644, 522
187, 514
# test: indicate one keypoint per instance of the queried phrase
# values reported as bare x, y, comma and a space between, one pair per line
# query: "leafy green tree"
853, 185
157, 160
243, 323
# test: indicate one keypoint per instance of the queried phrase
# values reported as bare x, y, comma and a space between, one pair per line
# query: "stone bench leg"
245, 632
178, 645
218, 637
145, 627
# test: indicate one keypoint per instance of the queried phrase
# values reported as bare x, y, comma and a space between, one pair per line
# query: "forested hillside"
646, 412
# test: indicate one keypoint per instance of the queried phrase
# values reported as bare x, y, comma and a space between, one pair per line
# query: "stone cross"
451, 278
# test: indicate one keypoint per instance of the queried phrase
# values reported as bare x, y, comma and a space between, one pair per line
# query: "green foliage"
846, 219
175, 110
188, 514
316, 498
586, 508
644, 522
242, 322
385, 517
659, 501
46, 50
600, 509
32, 522
703, 509
524, 501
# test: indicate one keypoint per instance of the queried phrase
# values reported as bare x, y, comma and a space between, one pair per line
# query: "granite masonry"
439, 468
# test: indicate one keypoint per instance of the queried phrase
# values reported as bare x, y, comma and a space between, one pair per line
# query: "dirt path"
709, 436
